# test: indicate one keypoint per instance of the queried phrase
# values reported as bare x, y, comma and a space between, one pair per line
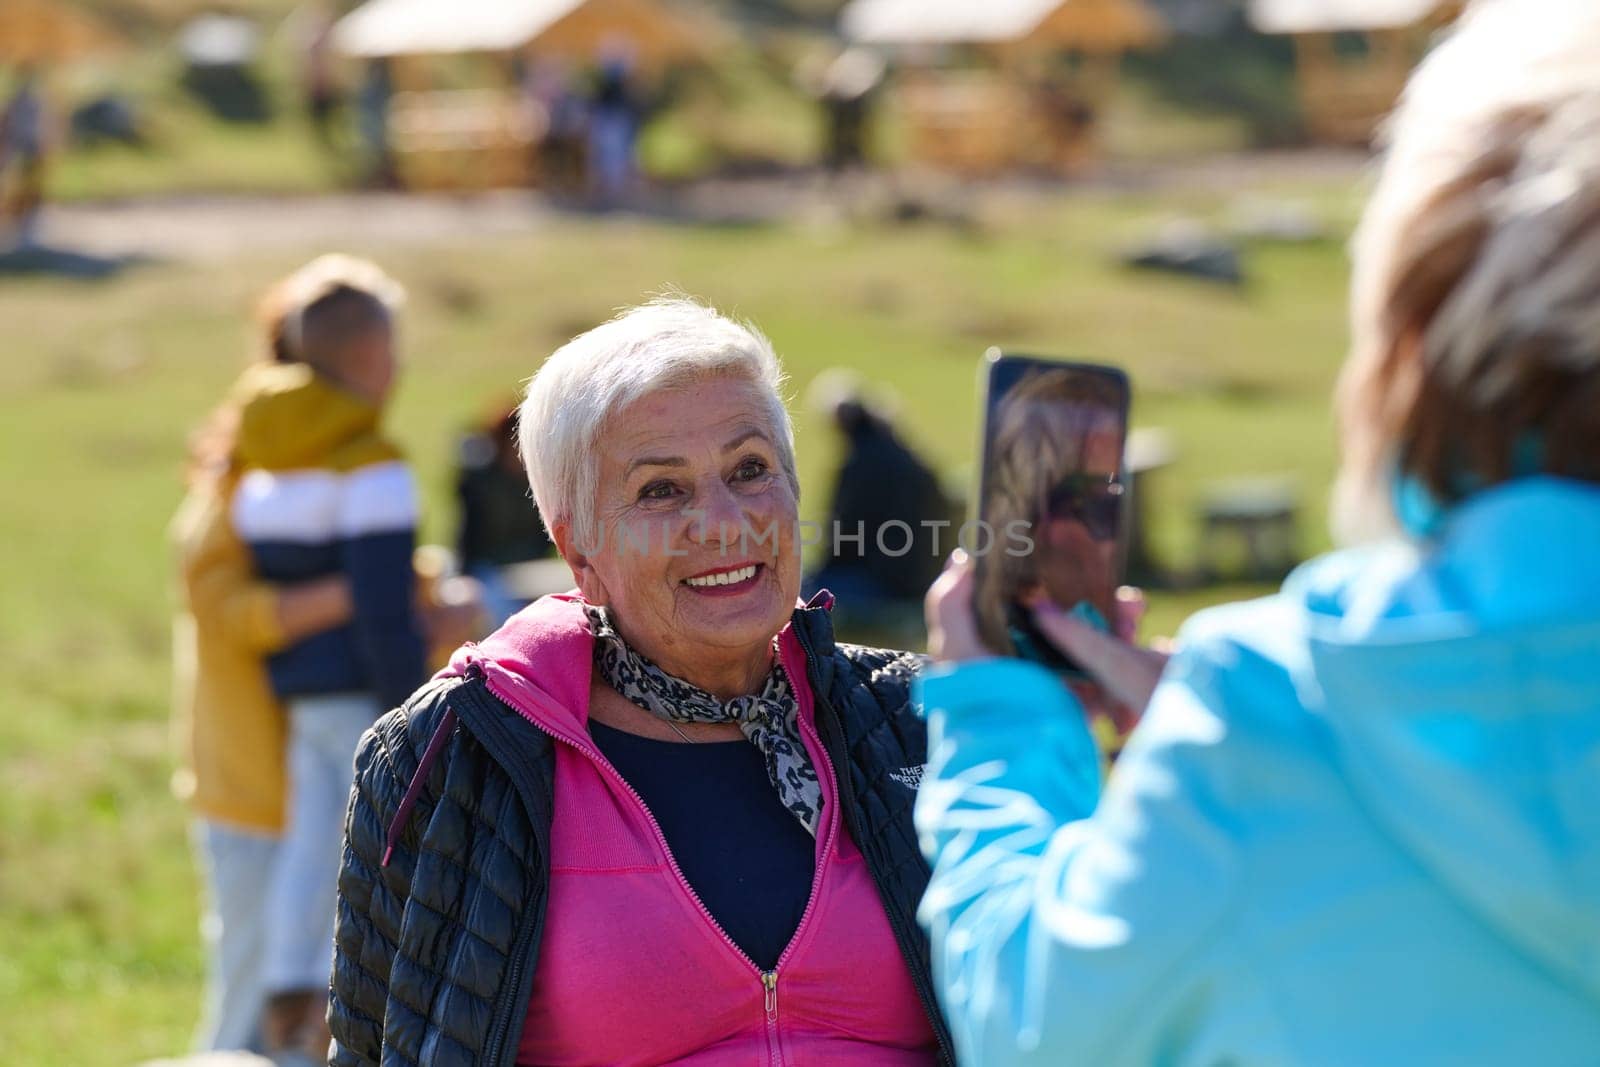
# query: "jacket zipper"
897, 921
769, 979
505, 1012
519, 958
769, 982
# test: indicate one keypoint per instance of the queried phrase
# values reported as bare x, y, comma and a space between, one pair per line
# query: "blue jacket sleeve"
377, 538
1068, 926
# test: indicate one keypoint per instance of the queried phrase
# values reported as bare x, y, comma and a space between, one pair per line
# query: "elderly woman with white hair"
1360, 822
662, 818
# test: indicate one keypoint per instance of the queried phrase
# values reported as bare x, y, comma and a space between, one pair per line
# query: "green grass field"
101, 382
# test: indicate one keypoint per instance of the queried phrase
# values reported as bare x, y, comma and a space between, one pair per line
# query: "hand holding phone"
1118, 675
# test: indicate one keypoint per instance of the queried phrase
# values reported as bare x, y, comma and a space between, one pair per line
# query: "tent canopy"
578, 28
1332, 16
1095, 25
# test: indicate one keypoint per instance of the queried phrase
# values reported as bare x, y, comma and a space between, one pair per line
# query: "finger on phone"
1072, 635
952, 627
953, 588
1126, 671
1128, 612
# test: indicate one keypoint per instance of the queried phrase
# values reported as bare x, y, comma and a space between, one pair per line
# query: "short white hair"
1477, 262
668, 342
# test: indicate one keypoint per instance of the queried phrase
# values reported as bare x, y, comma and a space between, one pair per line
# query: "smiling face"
697, 556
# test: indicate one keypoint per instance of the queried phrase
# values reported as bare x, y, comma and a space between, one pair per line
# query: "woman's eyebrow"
655, 461
745, 436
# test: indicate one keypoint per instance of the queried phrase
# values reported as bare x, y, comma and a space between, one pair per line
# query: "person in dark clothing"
24, 149
499, 526
372, 123
615, 115
891, 497
848, 94
323, 95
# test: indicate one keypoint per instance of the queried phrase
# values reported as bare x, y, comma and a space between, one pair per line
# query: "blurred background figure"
848, 93
615, 115
499, 525
553, 95
879, 580
24, 146
319, 74
372, 123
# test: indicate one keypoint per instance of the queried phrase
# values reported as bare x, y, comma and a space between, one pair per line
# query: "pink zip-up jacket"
632, 969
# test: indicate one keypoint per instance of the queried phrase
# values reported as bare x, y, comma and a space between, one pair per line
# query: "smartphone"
1051, 505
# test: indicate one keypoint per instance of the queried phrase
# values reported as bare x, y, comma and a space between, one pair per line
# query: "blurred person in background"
373, 101
319, 74
615, 114
25, 136
881, 481
549, 88
229, 728
323, 493
499, 525
848, 91
1358, 823
662, 818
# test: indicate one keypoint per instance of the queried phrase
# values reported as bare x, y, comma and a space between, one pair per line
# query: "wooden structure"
485, 137
990, 85
50, 31
1353, 57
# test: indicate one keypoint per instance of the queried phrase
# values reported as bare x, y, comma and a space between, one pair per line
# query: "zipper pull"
769, 982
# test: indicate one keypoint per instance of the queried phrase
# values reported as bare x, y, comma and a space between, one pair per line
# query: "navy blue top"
745, 855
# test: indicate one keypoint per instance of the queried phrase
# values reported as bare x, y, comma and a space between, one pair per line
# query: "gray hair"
668, 342
1477, 263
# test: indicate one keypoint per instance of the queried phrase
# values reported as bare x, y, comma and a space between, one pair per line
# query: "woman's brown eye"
752, 469
656, 491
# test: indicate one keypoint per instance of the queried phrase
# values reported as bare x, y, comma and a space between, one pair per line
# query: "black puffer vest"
443, 884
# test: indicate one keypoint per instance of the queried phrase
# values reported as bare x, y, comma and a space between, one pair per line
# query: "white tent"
411, 27
439, 27
943, 21
1109, 25
1333, 16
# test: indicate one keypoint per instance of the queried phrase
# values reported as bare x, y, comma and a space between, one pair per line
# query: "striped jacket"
322, 492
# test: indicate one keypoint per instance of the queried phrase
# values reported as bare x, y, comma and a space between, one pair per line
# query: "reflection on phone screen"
1052, 495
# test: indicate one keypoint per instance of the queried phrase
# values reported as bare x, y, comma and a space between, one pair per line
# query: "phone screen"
1051, 498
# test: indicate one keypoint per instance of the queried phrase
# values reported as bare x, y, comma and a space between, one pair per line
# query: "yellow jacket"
229, 729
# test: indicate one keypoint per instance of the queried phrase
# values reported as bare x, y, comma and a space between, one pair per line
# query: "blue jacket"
321, 492
1360, 823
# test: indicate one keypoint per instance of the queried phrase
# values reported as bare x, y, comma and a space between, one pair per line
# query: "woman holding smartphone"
1357, 824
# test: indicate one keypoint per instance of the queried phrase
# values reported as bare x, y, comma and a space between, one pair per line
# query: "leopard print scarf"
769, 719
